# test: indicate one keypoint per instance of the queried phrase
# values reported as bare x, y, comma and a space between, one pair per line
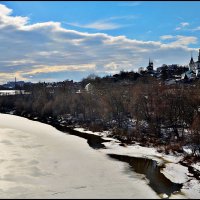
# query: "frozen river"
38, 161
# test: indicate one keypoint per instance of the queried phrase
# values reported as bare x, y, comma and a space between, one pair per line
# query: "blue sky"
79, 38
137, 20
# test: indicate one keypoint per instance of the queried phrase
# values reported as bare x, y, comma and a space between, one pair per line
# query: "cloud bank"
32, 51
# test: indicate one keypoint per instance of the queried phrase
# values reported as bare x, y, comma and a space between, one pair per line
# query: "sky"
66, 40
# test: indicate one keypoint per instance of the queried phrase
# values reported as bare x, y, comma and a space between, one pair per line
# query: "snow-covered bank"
38, 161
173, 170
103, 134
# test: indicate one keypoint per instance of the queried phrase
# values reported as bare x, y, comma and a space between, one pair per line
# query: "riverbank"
172, 166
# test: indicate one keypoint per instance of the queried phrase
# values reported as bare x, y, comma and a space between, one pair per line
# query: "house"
89, 87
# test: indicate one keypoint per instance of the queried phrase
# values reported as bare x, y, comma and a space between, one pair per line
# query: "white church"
194, 69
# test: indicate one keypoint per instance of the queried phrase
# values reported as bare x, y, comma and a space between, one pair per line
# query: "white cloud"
6, 19
178, 28
130, 4
182, 26
126, 17
100, 25
166, 37
106, 24
4, 10
58, 68
196, 29
184, 40
180, 40
33, 51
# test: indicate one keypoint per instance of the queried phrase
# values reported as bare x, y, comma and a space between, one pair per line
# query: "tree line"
143, 109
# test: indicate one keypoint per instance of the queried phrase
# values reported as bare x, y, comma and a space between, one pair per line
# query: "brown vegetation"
144, 110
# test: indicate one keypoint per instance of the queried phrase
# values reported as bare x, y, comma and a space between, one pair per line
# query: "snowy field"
37, 161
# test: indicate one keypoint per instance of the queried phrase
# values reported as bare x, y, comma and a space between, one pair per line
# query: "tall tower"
199, 56
192, 64
150, 66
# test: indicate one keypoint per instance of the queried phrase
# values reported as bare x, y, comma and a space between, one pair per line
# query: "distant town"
170, 74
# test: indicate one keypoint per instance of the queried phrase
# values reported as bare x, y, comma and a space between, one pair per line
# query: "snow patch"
196, 166
175, 172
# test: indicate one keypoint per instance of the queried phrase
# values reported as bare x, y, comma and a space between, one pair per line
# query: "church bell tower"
192, 64
150, 66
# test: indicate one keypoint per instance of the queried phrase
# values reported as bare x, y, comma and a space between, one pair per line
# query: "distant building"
12, 92
150, 69
198, 65
192, 65
194, 69
15, 84
150, 66
89, 87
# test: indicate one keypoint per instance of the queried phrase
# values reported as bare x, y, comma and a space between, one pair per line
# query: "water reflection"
157, 181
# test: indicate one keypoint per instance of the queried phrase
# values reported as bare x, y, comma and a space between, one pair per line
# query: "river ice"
38, 161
